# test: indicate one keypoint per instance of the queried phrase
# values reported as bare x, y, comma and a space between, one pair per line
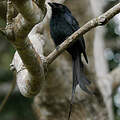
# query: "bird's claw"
57, 48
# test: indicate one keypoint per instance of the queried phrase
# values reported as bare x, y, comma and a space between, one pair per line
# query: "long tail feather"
81, 78
85, 56
78, 79
71, 103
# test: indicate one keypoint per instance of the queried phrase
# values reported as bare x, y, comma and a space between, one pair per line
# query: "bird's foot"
57, 48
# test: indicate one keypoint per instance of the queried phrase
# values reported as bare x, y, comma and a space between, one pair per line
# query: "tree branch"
23, 23
99, 21
25, 83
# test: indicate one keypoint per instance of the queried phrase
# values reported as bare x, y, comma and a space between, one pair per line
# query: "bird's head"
58, 8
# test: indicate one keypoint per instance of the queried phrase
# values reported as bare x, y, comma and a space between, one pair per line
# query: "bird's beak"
51, 5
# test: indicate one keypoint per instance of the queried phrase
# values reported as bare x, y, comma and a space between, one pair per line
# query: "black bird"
62, 25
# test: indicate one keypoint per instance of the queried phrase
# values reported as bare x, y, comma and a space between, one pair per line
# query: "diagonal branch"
99, 21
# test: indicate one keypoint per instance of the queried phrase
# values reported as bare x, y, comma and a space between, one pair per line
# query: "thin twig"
9, 93
99, 21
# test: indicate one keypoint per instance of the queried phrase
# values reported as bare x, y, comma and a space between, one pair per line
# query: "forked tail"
78, 78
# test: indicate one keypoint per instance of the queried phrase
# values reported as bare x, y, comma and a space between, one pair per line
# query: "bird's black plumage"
62, 25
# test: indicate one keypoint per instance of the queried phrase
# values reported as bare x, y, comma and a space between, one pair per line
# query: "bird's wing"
71, 21
75, 26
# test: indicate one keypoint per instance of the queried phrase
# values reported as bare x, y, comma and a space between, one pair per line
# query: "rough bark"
21, 26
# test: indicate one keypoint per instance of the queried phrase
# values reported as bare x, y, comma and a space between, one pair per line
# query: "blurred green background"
20, 108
